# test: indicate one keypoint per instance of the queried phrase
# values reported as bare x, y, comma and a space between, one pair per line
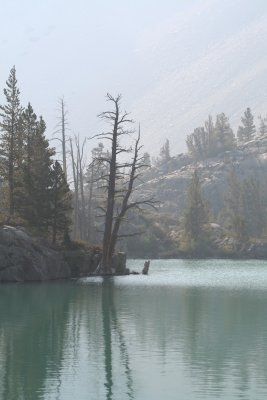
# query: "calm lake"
189, 330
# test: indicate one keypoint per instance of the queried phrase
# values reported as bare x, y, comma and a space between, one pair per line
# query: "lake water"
190, 330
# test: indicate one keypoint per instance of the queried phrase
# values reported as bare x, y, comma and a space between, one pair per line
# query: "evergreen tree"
35, 199
234, 208
147, 160
197, 144
262, 127
60, 203
11, 137
165, 151
224, 136
247, 131
30, 126
209, 140
210, 135
254, 209
196, 215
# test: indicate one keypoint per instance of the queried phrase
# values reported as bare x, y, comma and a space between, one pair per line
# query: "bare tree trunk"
118, 173
76, 192
124, 206
80, 153
106, 260
89, 208
63, 126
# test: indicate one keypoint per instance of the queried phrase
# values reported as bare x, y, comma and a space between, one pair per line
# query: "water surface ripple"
189, 330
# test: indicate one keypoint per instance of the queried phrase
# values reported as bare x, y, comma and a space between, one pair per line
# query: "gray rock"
169, 186
23, 258
257, 250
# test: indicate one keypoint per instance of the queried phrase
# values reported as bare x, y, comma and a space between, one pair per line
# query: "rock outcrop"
23, 258
168, 183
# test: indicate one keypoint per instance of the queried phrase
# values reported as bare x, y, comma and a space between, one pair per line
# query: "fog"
174, 61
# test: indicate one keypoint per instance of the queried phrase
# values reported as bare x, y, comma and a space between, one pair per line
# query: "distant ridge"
210, 59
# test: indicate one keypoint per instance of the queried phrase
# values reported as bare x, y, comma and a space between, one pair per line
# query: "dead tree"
77, 160
80, 177
62, 127
94, 189
119, 180
76, 191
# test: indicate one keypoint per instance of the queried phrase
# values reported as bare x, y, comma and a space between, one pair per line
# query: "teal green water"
189, 330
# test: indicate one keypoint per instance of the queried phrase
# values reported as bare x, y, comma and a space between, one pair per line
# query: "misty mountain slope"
216, 63
169, 182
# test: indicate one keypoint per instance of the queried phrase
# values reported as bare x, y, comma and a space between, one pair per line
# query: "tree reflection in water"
111, 325
32, 334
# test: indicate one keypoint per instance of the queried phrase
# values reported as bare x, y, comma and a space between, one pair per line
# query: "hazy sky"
82, 49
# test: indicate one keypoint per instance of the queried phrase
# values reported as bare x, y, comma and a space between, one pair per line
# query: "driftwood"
146, 267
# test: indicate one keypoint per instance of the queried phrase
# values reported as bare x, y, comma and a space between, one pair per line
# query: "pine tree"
36, 172
262, 127
210, 135
224, 136
199, 143
254, 208
167, 151
196, 215
30, 126
11, 137
60, 203
165, 155
247, 131
147, 160
234, 208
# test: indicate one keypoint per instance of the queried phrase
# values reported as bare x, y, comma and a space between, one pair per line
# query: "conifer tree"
254, 207
36, 172
234, 208
196, 215
11, 137
60, 202
262, 127
165, 151
147, 160
224, 136
247, 130
210, 135
197, 144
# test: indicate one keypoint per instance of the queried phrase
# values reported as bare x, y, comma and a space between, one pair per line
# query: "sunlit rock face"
23, 258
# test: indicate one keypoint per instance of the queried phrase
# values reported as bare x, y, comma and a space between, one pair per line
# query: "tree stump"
146, 268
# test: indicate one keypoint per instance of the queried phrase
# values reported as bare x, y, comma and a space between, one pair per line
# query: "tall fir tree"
262, 127
210, 134
196, 215
247, 130
234, 213
224, 136
254, 206
11, 146
165, 151
36, 173
61, 204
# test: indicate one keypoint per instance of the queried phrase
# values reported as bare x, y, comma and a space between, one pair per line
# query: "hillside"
169, 184
211, 57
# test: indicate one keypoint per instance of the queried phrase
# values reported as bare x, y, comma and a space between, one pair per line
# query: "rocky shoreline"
24, 258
